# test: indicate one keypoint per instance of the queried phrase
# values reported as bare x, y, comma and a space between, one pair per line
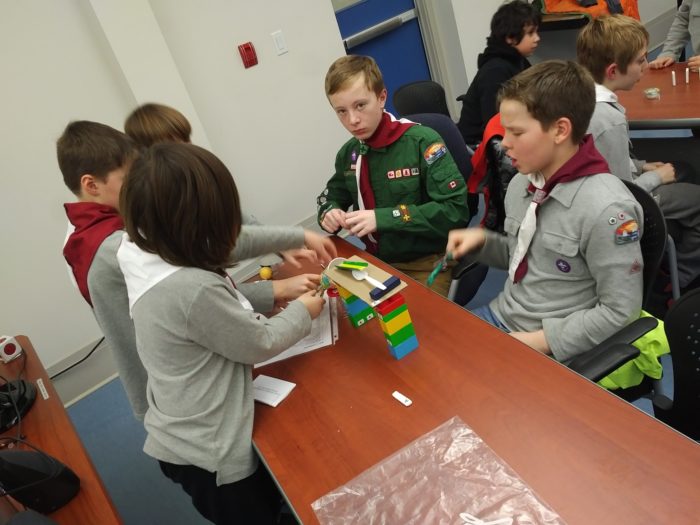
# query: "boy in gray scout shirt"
613, 49
686, 26
572, 229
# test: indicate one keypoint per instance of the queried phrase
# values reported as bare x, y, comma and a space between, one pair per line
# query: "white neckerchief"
603, 94
528, 225
142, 270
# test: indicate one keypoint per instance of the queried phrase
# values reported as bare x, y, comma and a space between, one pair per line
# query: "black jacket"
498, 63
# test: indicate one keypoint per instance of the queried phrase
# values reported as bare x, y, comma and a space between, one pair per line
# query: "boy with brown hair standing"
94, 159
404, 187
613, 49
572, 229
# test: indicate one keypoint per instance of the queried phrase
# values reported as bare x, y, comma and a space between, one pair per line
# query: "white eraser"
673, 78
401, 398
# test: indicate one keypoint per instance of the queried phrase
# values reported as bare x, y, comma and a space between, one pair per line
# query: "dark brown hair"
512, 19
154, 123
92, 148
554, 89
606, 40
345, 69
180, 202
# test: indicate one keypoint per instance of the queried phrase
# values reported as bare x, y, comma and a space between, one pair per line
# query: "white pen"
673, 78
687, 75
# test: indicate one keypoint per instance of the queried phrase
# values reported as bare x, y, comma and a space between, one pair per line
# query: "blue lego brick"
405, 348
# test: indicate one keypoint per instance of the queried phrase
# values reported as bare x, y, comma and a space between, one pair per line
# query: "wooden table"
678, 107
591, 456
48, 427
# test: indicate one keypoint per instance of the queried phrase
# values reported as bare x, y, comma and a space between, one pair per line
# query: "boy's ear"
562, 130
611, 71
88, 185
382, 98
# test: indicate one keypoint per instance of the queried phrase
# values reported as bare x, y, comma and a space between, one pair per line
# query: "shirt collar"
603, 94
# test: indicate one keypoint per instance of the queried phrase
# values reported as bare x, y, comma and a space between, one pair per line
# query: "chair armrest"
467, 276
612, 353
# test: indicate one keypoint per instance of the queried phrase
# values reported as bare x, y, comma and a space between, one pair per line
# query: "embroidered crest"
563, 266
399, 173
353, 156
621, 216
406, 172
612, 220
452, 184
415, 172
405, 215
390, 174
434, 152
395, 213
627, 232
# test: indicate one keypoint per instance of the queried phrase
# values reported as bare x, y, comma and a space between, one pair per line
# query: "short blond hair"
606, 40
344, 70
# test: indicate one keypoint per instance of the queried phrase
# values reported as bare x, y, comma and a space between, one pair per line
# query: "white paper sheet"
322, 335
270, 390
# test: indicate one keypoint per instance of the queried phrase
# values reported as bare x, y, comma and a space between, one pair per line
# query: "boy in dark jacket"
513, 38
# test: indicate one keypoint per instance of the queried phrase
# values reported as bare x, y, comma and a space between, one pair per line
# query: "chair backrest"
682, 325
449, 132
424, 96
653, 242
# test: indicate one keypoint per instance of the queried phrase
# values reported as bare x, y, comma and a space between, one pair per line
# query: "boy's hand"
286, 290
361, 222
662, 62
322, 246
461, 242
295, 257
333, 220
314, 303
651, 166
534, 340
694, 62
667, 173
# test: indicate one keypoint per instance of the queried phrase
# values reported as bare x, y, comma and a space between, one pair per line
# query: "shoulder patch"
627, 232
434, 152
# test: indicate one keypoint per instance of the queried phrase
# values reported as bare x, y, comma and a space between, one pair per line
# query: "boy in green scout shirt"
404, 187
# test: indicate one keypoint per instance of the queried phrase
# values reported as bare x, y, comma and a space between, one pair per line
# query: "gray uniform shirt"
685, 26
610, 133
583, 283
111, 304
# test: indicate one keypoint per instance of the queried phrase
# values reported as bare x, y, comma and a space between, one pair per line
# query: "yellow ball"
265, 272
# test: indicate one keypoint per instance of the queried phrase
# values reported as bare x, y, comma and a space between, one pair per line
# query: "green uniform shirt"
420, 194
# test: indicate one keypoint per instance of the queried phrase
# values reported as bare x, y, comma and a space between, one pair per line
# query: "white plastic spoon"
361, 275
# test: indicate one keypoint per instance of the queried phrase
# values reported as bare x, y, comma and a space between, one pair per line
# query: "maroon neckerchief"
389, 131
93, 224
587, 161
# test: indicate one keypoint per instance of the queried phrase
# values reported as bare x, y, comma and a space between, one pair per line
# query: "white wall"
270, 124
56, 67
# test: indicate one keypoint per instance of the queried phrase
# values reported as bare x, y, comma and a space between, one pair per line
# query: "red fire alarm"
248, 55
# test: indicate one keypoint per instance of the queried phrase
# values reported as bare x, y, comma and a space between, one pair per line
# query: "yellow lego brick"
396, 324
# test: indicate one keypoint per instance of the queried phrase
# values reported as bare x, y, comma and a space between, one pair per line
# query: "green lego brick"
399, 337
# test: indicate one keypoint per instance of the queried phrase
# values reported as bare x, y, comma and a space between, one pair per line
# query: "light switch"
280, 42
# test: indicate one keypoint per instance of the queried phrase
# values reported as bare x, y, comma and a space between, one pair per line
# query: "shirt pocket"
563, 256
405, 190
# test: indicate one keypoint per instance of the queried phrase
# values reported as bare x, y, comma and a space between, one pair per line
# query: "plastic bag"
446, 473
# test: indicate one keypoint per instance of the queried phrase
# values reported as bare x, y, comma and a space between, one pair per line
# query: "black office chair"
424, 96
617, 349
682, 325
466, 276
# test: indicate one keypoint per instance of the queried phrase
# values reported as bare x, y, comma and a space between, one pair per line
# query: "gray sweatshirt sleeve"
495, 251
256, 240
218, 322
613, 144
678, 33
618, 276
260, 294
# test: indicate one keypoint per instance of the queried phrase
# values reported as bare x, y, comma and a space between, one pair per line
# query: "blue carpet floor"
114, 441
